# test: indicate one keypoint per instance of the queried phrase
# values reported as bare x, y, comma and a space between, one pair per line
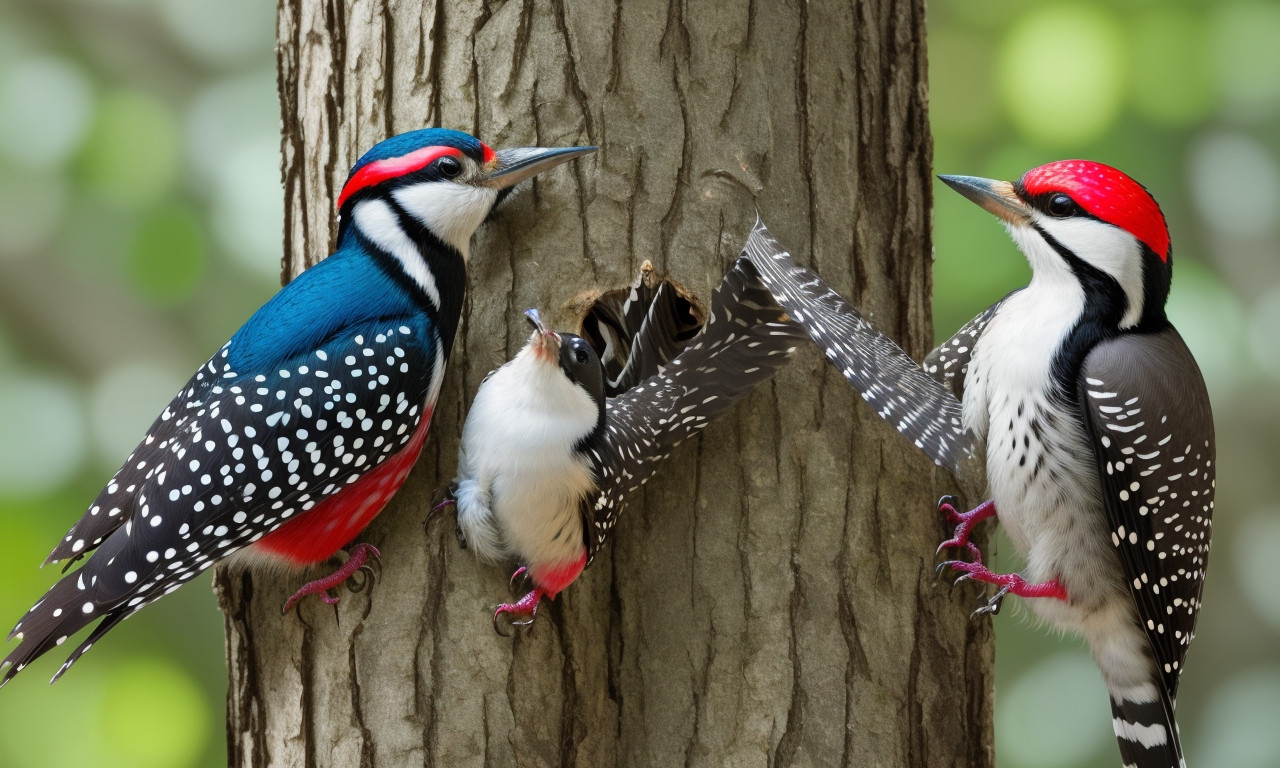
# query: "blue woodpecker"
548, 457
1095, 425
293, 436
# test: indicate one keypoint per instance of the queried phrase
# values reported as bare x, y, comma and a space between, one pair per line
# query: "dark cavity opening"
637, 331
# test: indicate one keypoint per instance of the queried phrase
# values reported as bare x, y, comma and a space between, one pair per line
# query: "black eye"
580, 356
1061, 205
448, 167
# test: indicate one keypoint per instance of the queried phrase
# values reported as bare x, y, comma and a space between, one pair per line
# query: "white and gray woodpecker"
1099, 439
548, 458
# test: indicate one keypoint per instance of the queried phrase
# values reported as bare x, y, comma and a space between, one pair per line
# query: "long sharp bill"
995, 197
547, 341
512, 166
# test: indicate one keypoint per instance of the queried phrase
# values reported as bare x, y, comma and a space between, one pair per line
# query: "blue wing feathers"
344, 290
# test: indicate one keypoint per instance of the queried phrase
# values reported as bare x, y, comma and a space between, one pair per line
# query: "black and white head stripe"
1149, 420
232, 458
891, 382
747, 338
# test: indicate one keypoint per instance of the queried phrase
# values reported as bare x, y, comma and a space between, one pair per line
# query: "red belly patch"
322, 530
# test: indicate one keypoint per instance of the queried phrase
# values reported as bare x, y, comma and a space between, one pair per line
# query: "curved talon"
1009, 583
522, 573
956, 542
444, 497
504, 620
963, 524
519, 614
502, 628
357, 558
993, 604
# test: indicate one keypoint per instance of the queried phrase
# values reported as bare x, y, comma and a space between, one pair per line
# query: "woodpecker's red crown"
1105, 193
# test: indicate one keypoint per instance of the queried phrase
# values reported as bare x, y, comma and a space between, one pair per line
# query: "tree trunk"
769, 599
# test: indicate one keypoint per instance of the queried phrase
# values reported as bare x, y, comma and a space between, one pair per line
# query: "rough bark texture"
769, 599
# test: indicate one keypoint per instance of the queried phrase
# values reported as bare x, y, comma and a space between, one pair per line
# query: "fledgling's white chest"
520, 483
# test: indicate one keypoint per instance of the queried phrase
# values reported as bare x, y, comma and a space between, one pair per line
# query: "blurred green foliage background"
140, 223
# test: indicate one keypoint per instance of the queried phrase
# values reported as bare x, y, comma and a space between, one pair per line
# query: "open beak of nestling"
509, 167
996, 197
545, 343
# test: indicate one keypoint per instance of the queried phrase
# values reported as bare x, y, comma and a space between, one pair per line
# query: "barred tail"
1146, 730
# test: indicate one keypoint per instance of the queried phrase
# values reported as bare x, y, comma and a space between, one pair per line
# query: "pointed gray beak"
995, 197
545, 343
535, 320
509, 167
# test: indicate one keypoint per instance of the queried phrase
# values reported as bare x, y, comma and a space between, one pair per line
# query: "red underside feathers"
324, 529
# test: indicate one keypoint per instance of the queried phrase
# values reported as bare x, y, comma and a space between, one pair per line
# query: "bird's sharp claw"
518, 614
992, 606
357, 560
518, 580
1009, 583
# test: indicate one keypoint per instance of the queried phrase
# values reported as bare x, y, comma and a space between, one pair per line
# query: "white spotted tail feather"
747, 338
915, 404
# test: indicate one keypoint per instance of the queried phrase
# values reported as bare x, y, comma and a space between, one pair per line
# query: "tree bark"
769, 599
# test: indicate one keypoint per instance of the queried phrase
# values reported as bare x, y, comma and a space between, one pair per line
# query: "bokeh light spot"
1062, 74
151, 715
167, 256
32, 204
1239, 728
237, 154
248, 207
131, 155
45, 103
42, 725
1256, 543
220, 33
1211, 321
1235, 184
1243, 39
124, 402
1054, 714
961, 101
42, 441
1264, 339
1169, 57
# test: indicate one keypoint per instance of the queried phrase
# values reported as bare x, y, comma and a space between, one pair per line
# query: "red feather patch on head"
1107, 194
380, 170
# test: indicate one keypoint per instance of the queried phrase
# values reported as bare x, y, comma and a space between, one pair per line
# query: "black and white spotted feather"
918, 406
638, 333
747, 338
1151, 426
232, 458
949, 363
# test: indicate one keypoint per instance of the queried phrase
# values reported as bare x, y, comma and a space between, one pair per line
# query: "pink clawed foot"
964, 523
356, 561
1009, 583
518, 614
